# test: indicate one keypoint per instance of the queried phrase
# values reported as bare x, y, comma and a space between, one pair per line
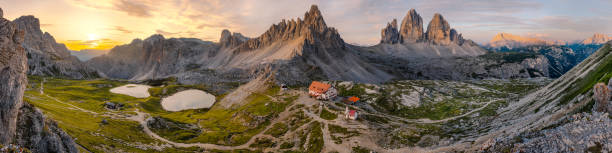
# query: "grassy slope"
90, 95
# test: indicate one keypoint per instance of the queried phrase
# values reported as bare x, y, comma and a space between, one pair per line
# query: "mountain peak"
390, 34
231, 40
313, 17
313, 29
597, 38
412, 27
438, 30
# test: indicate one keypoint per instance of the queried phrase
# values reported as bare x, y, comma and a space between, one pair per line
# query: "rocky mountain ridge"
597, 38
438, 31
296, 50
21, 124
504, 40
440, 40
46, 57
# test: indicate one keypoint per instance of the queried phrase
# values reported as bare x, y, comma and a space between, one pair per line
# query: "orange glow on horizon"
98, 44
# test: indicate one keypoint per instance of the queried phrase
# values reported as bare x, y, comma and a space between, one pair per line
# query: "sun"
92, 36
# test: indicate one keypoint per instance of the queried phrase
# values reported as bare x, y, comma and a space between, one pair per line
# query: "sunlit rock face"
13, 66
412, 27
597, 38
45, 56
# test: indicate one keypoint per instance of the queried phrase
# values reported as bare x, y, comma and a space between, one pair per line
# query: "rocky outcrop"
390, 34
412, 27
19, 122
583, 132
313, 29
511, 41
601, 95
296, 50
597, 39
231, 40
440, 32
46, 57
13, 80
41, 135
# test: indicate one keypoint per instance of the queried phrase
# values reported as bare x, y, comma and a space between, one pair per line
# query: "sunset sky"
101, 24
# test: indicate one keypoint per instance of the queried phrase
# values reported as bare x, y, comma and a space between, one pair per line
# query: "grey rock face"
390, 34
312, 28
231, 40
583, 131
411, 29
13, 65
601, 95
41, 135
46, 57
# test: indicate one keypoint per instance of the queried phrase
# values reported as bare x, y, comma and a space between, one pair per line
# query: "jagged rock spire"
312, 28
231, 40
390, 34
313, 17
411, 27
438, 30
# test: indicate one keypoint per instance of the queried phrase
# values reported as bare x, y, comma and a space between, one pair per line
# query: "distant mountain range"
510, 41
87, 54
562, 55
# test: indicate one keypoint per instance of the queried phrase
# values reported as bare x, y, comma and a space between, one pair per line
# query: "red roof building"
321, 90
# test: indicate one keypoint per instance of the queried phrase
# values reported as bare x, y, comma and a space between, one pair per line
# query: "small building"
111, 105
322, 91
284, 87
350, 114
352, 100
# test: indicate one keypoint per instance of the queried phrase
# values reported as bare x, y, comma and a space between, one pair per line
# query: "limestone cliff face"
597, 39
231, 40
13, 66
41, 135
153, 57
511, 41
21, 123
440, 32
412, 27
45, 56
390, 34
313, 29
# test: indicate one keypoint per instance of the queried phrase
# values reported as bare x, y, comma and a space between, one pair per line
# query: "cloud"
358, 21
122, 30
133, 8
165, 33
45, 25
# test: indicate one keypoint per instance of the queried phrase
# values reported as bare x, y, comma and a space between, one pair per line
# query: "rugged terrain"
22, 124
296, 51
47, 57
421, 91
